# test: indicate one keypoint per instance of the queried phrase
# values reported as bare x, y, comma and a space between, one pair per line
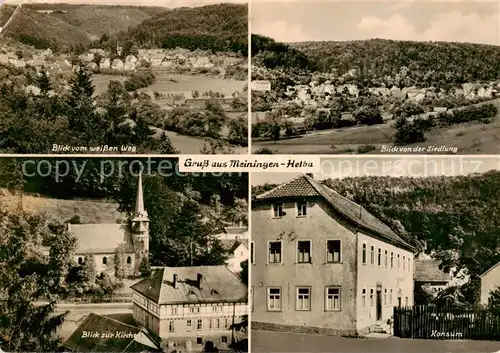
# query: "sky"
396, 166
164, 3
423, 20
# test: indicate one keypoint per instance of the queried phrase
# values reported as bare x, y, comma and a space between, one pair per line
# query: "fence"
431, 322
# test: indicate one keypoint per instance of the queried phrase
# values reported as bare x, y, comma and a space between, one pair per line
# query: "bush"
366, 149
264, 151
139, 80
409, 132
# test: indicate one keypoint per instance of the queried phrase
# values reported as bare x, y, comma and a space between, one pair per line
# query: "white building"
261, 86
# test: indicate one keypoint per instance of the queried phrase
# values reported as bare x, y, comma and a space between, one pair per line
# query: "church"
103, 241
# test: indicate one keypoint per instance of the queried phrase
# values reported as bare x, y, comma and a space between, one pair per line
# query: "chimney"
310, 175
199, 277
175, 281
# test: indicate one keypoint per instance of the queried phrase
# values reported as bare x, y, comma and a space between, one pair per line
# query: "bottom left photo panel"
122, 255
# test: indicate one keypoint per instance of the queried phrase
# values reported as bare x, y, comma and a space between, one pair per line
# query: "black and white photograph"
377, 77
136, 76
389, 254
122, 255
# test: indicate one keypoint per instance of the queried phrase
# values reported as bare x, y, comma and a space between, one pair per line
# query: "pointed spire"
139, 201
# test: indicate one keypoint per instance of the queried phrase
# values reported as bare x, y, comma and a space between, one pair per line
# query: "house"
490, 281
99, 333
428, 276
238, 253
190, 304
261, 85
104, 241
322, 263
233, 233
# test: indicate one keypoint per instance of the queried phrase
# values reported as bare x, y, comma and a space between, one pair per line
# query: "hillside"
63, 26
222, 27
423, 63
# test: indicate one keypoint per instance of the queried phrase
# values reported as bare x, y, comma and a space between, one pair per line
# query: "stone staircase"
380, 329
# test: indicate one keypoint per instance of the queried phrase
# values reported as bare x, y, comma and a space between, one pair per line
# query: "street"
275, 342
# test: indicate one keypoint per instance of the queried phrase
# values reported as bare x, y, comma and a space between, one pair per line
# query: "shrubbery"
139, 80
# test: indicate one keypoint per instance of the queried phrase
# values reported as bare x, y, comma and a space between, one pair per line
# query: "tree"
244, 272
89, 267
24, 280
43, 82
118, 261
145, 267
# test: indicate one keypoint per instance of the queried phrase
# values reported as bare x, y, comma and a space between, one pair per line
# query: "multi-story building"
188, 306
320, 262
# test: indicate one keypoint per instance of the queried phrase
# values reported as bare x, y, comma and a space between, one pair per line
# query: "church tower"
139, 224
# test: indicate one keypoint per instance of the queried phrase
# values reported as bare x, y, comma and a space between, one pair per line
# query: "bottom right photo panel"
387, 254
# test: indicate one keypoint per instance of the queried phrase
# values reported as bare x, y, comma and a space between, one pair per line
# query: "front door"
379, 305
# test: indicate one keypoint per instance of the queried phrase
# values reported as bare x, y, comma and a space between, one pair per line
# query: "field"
63, 210
166, 82
101, 81
467, 138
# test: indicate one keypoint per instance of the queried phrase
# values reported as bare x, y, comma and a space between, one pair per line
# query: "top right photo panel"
412, 77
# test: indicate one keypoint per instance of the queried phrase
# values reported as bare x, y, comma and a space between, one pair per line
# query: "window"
214, 308
408, 267
332, 298
252, 253
372, 255
304, 251
171, 326
223, 339
199, 325
392, 260
129, 260
301, 209
404, 263
385, 296
303, 298
406, 301
104, 260
174, 311
251, 298
363, 298
385, 259
188, 325
199, 340
333, 251
274, 252
274, 299
379, 257
371, 297
80, 261
399, 263
278, 211
364, 254
217, 324
210, 326
390, 297
225, 324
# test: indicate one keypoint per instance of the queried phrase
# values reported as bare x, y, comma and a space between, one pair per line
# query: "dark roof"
305, 186
98, 324
428, 271
218, 284
232, 244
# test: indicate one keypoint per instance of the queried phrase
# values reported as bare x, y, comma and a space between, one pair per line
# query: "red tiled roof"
305, 186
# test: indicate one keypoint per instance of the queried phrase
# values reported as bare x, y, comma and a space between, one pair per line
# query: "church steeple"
139, 218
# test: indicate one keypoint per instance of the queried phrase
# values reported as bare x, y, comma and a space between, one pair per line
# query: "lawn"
101, 81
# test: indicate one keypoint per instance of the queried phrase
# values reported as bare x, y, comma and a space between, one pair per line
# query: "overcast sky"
164, 3
356, 166
307, 20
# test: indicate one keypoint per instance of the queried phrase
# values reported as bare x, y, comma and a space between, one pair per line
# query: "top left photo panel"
124, 77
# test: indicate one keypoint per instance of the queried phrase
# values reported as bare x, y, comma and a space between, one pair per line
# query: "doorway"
379, 305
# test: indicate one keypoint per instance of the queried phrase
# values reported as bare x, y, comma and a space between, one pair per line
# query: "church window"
129, 260
104, 260
80, 261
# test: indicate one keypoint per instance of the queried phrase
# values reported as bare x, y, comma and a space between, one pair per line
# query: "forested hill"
426, 62
61, 26
457, 217
222, 27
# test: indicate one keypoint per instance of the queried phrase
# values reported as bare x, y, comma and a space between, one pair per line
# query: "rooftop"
101, 238
306, 186
179, 285
428, 271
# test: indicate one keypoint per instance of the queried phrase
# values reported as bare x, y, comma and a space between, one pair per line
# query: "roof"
101, 238
305, 186
231, 244
490, 269
100, 325
218, 284
235, 230
428, 271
